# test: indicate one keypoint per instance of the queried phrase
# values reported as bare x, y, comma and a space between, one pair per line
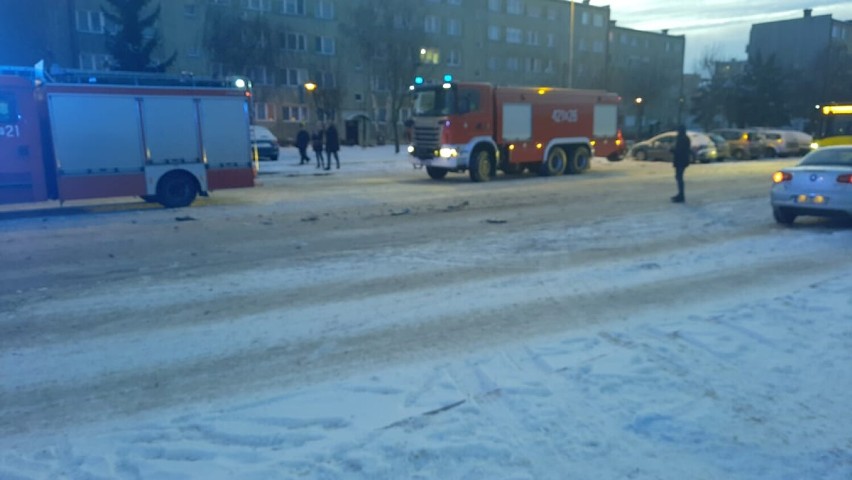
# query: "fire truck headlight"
449, 152
411, 149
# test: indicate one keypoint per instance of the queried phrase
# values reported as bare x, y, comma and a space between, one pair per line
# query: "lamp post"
640, 112
311, 87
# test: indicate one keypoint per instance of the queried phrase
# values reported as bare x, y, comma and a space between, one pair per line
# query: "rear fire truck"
79, 135
480, 128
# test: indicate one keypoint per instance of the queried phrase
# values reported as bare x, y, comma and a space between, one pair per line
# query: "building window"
432, 24
260, 5
534, 11
585, 18
598, 46
493, 32
226, 3
379, 83
296, 42
551, 40
264, 112
453, 58
326, 80
454, 27
94, 61
532, 37
512, 64
493, 64
90, 21
494, 5
259, 76
325, 45
552, 14
430, 56
194, 52
598, 20
453, 2
293, 7
295, 77
325, 10
513, 35
548, 68
294, 113
515, 7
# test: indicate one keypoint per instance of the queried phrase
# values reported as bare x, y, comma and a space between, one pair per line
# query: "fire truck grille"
427, 137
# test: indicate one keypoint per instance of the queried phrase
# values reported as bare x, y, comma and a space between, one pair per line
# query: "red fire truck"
480, 128
78, 135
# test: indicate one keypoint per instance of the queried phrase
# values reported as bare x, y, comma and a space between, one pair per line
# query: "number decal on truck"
570, 116
10, 131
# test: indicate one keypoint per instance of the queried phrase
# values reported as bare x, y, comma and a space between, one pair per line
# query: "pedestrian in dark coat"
303, 139
682, 156
332, 145
316, 143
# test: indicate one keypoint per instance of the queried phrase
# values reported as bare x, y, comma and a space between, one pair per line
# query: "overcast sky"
720, 25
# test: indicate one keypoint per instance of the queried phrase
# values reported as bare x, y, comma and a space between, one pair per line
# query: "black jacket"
316, 140
332, 141
682, 150
303, 138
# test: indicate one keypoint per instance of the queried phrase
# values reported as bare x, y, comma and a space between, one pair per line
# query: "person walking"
682, 154
332, 145
303, 139
316, 143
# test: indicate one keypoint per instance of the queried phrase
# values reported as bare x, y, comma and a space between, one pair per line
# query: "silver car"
820, 185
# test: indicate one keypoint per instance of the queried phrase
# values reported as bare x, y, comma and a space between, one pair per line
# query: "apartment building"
282, 45
646, 68
817, 46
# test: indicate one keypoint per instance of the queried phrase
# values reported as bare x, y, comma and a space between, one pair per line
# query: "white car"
820, 185
264, 142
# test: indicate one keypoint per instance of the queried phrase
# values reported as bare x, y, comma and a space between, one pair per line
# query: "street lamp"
640, 109
311, 87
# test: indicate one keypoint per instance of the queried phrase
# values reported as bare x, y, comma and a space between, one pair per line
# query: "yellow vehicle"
835, 125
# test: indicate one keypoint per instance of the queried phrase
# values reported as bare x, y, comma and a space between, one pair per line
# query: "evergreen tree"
133, 41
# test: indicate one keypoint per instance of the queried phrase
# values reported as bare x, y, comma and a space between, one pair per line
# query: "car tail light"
846, 178
779, 177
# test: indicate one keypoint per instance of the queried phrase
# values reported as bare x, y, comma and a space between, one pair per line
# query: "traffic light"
418, 80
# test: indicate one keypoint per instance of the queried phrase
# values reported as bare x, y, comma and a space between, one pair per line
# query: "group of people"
321, 139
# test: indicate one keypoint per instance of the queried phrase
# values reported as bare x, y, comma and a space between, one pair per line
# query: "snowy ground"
695, 344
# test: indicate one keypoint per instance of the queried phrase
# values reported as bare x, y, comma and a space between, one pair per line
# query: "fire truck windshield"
431, 102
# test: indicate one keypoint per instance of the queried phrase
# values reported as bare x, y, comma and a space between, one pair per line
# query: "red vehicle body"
481, 128
98, 134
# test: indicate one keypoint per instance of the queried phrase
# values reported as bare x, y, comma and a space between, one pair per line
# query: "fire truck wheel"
436, 173
580, 160
555, 163
176, 189
482, 167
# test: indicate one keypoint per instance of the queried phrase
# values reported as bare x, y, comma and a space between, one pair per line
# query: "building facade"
282, 45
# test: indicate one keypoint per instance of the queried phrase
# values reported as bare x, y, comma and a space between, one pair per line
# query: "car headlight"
814, 145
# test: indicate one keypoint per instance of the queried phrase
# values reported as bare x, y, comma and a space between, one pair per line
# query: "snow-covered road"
379, 325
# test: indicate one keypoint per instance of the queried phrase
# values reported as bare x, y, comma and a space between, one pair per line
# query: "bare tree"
389, 35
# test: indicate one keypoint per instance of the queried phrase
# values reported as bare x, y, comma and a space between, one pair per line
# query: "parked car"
782, 142
820, 185
661, 148
743, 144
265, 142
723, 151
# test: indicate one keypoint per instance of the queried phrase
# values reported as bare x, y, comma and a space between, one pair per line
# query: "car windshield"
829, 157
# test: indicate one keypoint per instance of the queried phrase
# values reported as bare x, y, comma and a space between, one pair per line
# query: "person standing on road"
303, 138
316, 142
682, 154
332, 145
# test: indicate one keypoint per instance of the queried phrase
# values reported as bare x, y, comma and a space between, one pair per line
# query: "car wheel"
783, 216
770, 153
436, 173
640, 155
